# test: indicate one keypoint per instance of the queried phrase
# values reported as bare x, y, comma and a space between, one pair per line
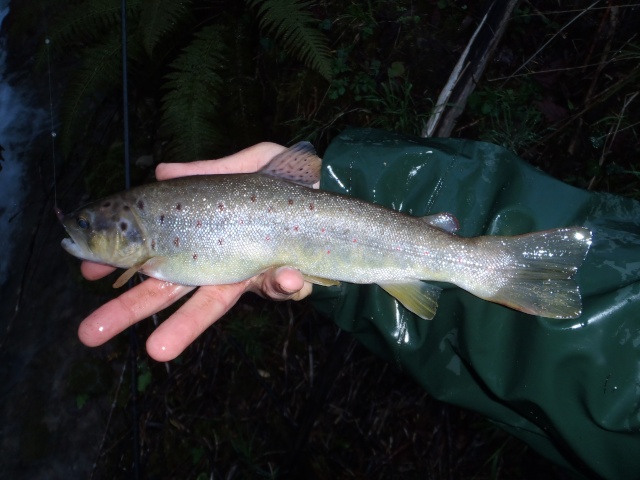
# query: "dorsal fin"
298, 164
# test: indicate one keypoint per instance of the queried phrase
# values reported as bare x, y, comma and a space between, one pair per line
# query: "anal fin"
418, 297
443, 221
325, 282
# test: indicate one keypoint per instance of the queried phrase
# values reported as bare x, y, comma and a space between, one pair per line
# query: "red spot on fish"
221, 207
176, 241
322, 230
296, 228
253, 198
198, 224
179, 206
162, 219
328, 252
311, 206
290, 201
355, 240
195, 256
267, 238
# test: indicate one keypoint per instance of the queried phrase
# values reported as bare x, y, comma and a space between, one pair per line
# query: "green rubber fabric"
569, 388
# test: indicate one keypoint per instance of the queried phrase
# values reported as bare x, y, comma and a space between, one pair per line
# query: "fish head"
105, 232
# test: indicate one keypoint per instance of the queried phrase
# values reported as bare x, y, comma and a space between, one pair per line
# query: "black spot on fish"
126, 208
153, 244
221, 207
198, 224
179, 206
123, 226
162, 219
253, 198
176, 241
311, 206
219, 241
106, 204
195, 256
140, 204
290, 201
270, 209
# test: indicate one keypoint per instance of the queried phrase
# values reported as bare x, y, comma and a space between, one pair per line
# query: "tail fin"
538, 276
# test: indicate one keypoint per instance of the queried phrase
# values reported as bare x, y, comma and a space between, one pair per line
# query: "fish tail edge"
539, 279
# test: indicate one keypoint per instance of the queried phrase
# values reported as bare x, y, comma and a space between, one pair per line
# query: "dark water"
44, 433
20, 125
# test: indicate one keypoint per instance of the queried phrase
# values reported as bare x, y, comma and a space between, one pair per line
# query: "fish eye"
82, 222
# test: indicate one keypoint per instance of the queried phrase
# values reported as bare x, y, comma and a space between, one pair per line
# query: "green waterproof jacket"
569, 388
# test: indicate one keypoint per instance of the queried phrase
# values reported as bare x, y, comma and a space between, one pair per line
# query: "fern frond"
191, 104
100, 71
88, 20
159, 18
291, 22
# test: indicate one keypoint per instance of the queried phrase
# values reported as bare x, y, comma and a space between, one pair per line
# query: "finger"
140, 302
248, 160
283, 283
94, 271
201, 311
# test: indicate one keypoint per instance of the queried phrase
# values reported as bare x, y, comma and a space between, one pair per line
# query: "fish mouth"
79, 250
74, 248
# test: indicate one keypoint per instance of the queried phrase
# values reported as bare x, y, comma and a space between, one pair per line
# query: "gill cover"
107, 232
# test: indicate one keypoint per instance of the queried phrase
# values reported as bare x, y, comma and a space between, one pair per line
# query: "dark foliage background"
272, 390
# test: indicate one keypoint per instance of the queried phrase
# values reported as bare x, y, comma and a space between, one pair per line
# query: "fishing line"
127, 180
125, 98
47, 42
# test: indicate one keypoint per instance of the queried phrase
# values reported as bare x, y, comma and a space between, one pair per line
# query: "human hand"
208, 303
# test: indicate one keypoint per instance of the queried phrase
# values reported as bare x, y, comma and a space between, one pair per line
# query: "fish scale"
220, 229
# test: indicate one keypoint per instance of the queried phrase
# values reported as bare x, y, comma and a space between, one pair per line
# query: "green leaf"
293, 25
84, 21
100, 71
81, 400
396, 70
144, 380
194, 89
159, 18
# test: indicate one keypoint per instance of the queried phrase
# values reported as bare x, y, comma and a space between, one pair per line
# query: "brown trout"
220, 229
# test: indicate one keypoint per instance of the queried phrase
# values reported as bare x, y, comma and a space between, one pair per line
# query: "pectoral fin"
416, 296
130, 272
